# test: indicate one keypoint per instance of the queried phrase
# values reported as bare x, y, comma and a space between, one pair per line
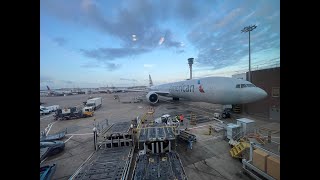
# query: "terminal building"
268, 80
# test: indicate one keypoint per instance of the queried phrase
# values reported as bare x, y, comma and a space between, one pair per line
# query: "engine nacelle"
152, 97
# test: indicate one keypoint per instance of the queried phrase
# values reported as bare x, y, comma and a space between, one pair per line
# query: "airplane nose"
262, 93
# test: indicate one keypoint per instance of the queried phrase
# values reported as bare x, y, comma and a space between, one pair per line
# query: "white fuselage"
217, 90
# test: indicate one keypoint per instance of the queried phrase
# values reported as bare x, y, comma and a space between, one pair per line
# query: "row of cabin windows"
244, 85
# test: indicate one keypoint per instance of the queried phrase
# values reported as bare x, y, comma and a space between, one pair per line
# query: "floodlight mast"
244, 30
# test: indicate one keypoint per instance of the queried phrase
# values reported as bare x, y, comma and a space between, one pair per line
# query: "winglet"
150, 81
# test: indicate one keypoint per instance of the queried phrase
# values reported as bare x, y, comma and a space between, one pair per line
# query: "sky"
98, 43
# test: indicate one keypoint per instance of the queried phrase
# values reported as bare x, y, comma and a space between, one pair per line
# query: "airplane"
54, 93
115, 90
111, 90
216, 90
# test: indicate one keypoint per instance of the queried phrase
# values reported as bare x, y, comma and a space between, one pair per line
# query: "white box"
232, 130
247, 125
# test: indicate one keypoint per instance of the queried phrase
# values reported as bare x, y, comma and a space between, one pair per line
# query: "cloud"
187, 10
228, 18
139, 17
112, 66
124, 79
67, 82
52, 82
90, 65
274, 15
219, 40
180, 51
169, 42
148, 65
60, 41
107, 65
108, 54
209, 25
46, 79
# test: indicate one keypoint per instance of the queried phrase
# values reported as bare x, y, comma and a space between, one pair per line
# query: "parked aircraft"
111, 90
217, 90
54, 93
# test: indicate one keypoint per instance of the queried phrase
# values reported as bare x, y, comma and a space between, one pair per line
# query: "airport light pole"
244, 30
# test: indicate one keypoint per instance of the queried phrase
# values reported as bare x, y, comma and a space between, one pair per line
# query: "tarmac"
209, 158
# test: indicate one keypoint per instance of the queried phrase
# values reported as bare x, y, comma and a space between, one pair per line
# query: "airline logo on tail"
200, 87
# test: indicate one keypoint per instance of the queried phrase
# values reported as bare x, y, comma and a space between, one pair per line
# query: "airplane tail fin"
150, 81
48, 88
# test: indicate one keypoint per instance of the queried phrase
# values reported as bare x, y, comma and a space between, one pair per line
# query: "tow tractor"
88, 111
226, 113
73, 113
167, 119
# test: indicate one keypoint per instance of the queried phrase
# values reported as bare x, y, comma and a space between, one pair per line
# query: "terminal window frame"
275, 91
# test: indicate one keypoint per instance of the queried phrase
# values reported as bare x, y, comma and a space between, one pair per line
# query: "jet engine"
152, 97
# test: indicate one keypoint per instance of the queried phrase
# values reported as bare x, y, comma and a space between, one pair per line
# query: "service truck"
95, 103
53, 108
87, 111
44, 110
73, 113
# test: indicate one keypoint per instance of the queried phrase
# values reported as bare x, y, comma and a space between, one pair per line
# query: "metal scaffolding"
116, 135
112, 163
159, 166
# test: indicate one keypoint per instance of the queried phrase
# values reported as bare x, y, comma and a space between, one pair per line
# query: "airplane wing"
162, 93
136, 90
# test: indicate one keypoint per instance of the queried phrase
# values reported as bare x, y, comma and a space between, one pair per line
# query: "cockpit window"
243, 85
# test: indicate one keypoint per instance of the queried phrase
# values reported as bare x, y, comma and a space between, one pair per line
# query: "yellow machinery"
236, 108
238, 149
243, 144
210, 129
149, 114
88, 111
193, 119
260, 139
